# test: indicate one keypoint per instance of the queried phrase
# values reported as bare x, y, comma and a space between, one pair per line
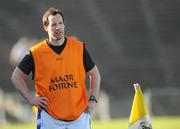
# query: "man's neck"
57, 42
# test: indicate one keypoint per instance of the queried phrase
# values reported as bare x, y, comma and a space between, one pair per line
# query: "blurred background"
130, 41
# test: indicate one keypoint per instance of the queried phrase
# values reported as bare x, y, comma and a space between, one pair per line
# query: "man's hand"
39, 102
92, 105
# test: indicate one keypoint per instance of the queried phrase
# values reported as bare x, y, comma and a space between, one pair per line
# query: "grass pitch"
157, 123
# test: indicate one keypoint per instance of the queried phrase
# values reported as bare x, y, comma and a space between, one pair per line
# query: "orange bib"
61, 78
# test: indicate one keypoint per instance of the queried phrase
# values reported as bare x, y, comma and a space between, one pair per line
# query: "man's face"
56, 27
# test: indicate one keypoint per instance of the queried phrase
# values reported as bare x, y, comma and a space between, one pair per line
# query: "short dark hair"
50, 11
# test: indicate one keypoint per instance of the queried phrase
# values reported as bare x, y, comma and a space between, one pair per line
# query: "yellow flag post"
139, 117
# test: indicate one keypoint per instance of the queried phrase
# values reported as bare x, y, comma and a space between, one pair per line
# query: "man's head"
53, 23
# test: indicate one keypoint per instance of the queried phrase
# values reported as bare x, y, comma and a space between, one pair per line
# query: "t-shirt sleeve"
88, 62
27, 64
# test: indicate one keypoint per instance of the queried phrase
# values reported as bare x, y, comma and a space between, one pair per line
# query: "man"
59, 65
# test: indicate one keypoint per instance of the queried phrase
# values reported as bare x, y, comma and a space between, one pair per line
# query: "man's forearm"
95, 79
18, 79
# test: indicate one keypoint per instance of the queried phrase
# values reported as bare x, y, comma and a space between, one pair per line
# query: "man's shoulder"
39, 45
74, 40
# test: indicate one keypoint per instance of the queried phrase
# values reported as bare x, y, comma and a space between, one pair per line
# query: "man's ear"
45, 28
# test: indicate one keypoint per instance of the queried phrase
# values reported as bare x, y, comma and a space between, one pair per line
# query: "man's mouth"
58, 33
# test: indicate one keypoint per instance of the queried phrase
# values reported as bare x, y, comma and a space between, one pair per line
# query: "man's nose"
58, 27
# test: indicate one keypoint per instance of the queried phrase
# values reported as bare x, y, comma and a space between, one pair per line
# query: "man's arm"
95, 79
19, 80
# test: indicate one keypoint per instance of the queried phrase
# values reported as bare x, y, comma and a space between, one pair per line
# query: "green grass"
166, 122
157, 123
